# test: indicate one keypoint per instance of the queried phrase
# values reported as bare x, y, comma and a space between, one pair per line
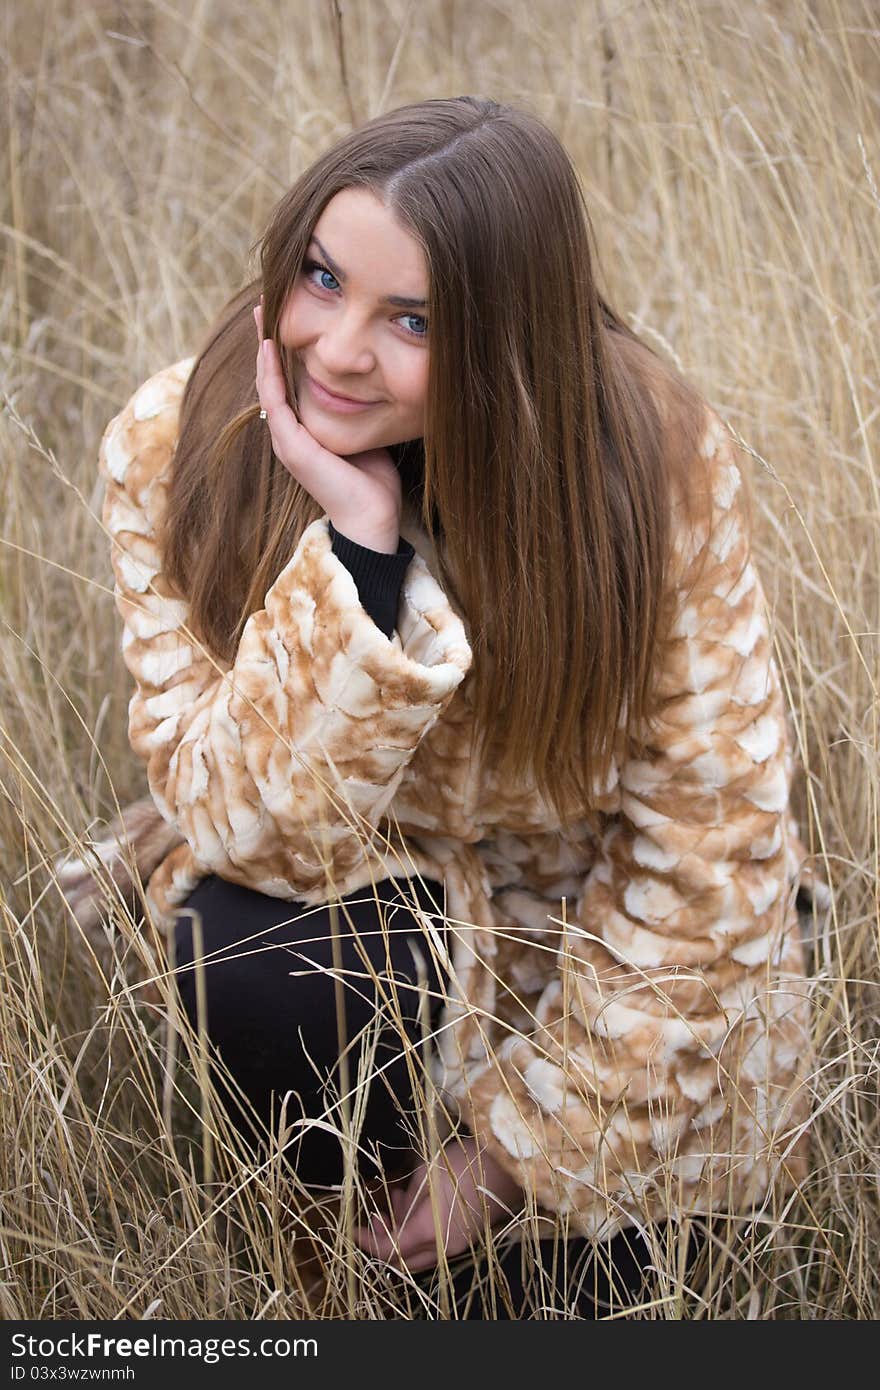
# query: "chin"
342, 438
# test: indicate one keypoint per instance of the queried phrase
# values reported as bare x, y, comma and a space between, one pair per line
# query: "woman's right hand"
361, 495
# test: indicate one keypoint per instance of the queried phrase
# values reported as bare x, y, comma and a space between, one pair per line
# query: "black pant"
271, 993
271, 1006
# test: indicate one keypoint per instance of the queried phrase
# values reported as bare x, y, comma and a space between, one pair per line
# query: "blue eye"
310, 266
420, 318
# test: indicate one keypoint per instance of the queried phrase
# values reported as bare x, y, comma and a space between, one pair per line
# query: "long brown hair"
552, 439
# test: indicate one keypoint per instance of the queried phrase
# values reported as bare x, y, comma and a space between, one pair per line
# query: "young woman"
455, 689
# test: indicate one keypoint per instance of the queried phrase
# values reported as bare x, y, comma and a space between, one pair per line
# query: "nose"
344, 347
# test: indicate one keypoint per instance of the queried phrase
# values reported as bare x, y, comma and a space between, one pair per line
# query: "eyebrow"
398, 300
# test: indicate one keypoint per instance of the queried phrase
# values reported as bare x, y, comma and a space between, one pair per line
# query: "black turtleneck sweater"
378, 576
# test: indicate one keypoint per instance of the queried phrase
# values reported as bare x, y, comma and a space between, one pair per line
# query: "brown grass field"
730, 153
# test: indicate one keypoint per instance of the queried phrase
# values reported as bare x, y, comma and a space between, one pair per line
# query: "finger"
424, 1258
274, 387
401, 1253
374, 1241
414, 1250
258, 321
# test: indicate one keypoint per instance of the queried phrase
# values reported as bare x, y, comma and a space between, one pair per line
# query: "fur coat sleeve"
277, 769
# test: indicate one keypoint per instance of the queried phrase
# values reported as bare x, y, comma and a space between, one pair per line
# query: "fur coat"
628, 1018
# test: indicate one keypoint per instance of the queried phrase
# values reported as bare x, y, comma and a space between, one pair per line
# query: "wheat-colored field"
730, 155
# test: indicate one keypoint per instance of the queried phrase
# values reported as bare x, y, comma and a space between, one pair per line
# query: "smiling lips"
331, 401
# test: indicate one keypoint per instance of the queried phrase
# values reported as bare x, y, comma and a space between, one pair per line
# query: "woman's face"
355, 324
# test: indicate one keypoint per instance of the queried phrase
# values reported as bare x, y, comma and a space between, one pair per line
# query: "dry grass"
730, 153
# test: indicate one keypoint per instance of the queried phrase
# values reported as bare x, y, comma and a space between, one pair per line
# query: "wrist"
383, 538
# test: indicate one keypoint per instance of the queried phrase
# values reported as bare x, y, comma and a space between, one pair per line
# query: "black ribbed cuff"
379, 577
